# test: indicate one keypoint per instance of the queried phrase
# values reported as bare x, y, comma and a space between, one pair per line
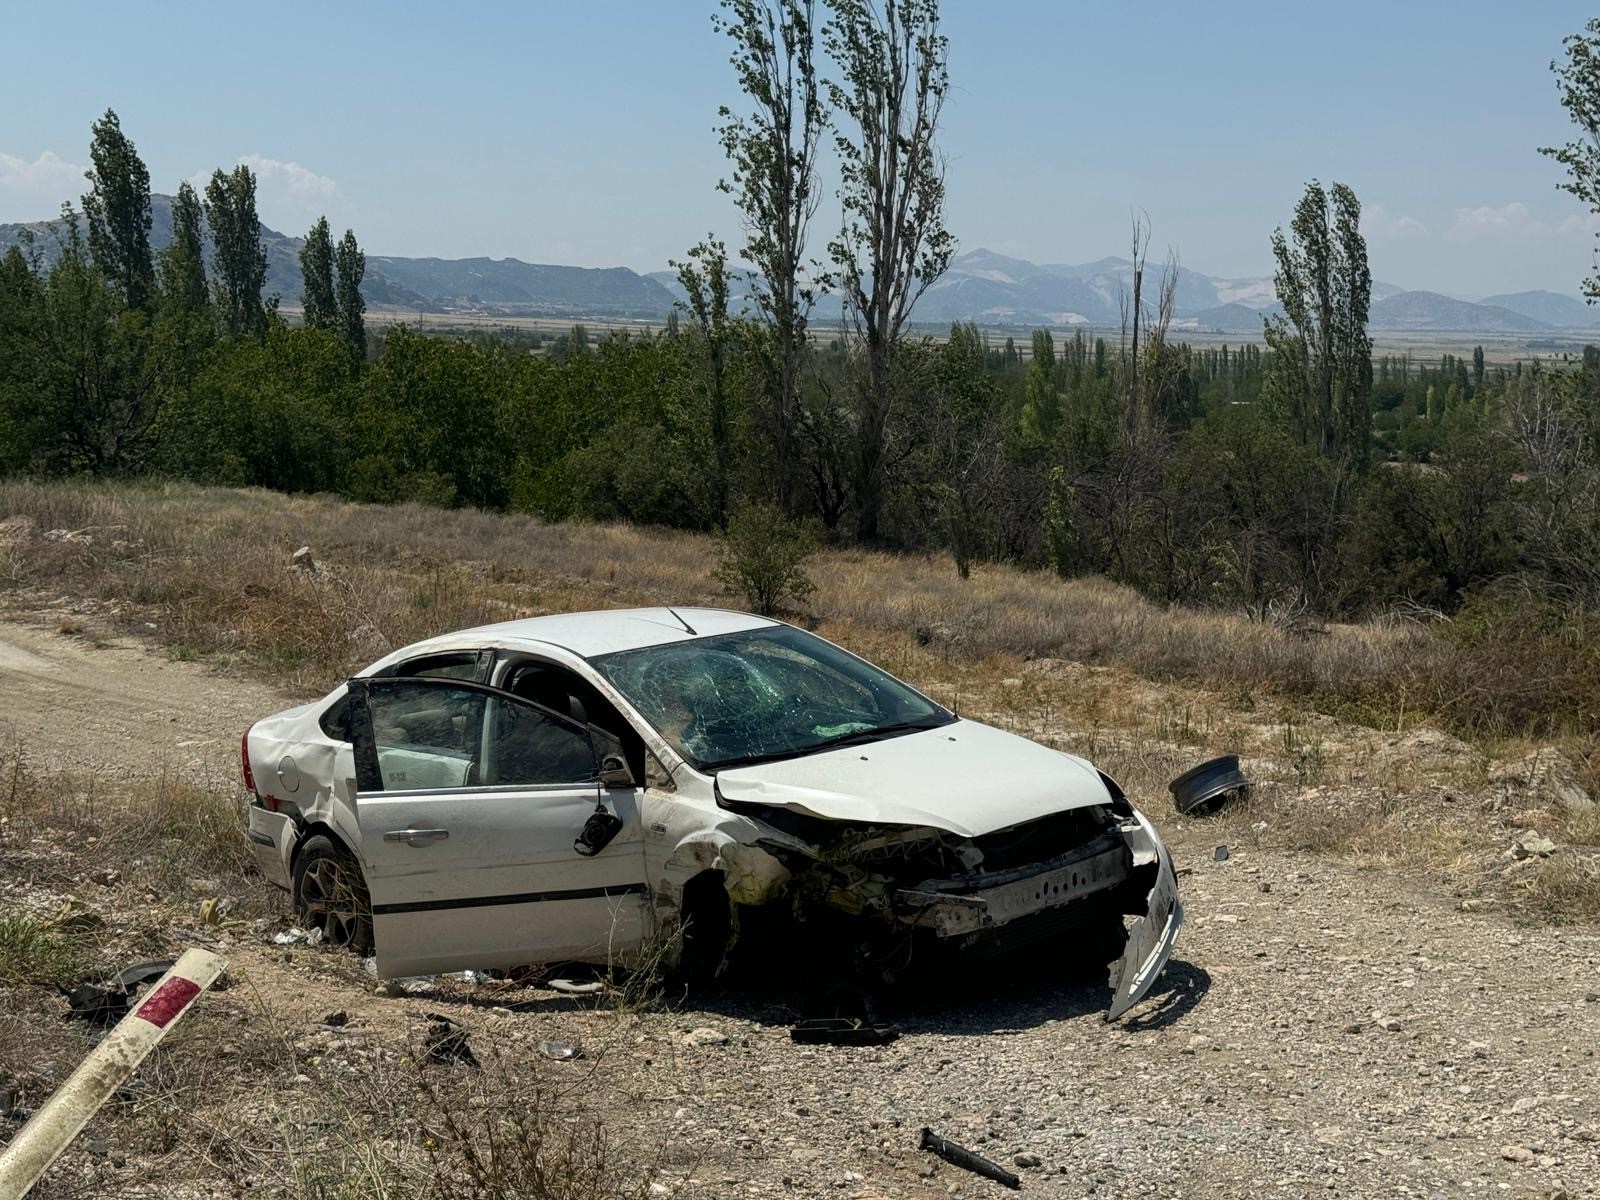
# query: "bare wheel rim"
331, 901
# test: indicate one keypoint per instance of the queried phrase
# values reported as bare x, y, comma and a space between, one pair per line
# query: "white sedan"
594, 786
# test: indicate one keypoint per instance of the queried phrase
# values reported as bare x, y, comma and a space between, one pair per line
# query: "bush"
32, 951
763, 557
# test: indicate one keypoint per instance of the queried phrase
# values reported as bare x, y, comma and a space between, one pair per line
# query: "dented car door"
471, 804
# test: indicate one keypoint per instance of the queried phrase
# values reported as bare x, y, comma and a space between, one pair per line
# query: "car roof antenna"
688, 628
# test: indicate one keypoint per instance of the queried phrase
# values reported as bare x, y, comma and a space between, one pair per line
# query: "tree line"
1302, 475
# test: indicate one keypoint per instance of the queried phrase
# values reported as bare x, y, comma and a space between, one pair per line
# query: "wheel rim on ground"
331, 902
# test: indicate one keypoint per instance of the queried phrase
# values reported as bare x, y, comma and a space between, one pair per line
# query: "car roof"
593, 633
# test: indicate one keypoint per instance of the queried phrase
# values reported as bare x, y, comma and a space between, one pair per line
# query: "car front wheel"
331, 895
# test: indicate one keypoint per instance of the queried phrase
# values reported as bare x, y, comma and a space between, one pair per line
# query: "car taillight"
244, 761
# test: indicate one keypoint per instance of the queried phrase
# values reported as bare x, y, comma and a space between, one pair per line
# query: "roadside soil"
1328, 1026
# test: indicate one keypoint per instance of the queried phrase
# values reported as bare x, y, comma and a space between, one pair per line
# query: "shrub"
32, 951
763, 556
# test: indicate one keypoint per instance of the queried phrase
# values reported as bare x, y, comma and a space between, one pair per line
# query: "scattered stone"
1525, 1104
302, 558
705, 1036
1265, 886
1028, 1160
1532, 844
1354, 1027
1389, 1024
338, 1018
1518, 1154
1220, 854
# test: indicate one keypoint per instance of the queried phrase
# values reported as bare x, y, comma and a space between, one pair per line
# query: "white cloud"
301, 183
1586, 224
1378, 225
1509, 222
33, 190
285, 191
48, 171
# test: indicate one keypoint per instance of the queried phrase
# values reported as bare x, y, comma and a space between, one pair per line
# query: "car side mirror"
615, 772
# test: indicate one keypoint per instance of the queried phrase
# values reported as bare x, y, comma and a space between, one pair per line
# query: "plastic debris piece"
143, 972
446, 1042
967, 1160
843, 1031
560, 1051
97, 1005
571, 987
295, 936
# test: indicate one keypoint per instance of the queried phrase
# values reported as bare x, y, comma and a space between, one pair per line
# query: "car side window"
555, 688
462, 665
432, 736
426, 736
335, 720
529, 745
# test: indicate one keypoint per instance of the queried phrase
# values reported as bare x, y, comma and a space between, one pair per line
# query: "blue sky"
582, 133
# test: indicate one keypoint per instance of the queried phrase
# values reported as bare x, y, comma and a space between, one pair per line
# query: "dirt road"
1323, 1029
76, 703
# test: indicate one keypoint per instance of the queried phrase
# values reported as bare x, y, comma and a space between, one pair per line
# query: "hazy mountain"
432, 284
984, 286
1228, 318
1427, 311
1563, 312
981, 285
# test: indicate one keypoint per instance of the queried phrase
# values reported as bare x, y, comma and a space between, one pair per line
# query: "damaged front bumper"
956, 908
959, 911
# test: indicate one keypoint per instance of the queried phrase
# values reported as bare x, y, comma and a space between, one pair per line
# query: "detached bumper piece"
1151, 939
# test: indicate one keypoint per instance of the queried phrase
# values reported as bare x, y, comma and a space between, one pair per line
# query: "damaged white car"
586, 787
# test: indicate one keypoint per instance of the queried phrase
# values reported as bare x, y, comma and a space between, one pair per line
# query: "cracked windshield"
763, 694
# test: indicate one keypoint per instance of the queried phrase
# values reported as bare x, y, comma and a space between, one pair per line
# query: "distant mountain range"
495, 286
981, 285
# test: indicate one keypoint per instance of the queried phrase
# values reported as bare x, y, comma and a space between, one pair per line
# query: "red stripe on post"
167, 1001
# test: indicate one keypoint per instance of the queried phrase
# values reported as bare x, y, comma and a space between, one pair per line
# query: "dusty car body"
587, 787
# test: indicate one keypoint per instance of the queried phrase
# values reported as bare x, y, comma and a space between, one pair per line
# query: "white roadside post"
61, 1117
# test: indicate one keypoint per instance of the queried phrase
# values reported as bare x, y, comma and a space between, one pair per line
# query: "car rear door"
469, 800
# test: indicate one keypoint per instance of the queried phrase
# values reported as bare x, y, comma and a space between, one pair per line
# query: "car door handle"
416, 837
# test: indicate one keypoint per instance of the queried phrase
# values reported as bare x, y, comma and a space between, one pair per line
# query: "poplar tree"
1578, 86
1320, 387
893, 244
240, 258
351, 265
704, 276
316, 271
182, 270
773, 149
117, 210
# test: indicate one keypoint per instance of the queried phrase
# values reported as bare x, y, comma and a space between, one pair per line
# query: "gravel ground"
1324, 1028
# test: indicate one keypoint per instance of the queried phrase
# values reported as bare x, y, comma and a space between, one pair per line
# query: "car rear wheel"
331, 895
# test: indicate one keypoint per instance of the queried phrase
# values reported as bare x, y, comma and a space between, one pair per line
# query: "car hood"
966, 778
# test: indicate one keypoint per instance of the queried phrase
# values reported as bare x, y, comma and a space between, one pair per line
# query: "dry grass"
211, 568
1084, 664
240, 1098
